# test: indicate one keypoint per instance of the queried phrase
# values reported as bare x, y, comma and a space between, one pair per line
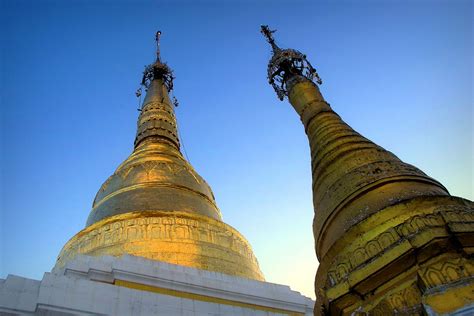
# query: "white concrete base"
136, 286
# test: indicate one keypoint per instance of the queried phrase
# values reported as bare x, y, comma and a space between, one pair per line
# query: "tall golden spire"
157, 120
380, 224
155, 205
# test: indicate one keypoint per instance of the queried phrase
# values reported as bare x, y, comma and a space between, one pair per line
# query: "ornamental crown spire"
287, 66
158, 70
157, 121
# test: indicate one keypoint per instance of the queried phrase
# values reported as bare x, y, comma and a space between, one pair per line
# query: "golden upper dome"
154, 177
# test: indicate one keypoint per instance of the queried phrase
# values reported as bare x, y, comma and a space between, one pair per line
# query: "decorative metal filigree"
285, 65
158, 70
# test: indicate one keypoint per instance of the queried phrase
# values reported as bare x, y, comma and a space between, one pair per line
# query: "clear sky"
399, 72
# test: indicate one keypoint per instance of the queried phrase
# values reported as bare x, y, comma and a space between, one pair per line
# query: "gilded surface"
389, 238
157, 118
157, 206
155, 176
345, 165
175, 237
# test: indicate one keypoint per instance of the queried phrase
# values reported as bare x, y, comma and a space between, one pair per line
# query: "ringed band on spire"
287, 66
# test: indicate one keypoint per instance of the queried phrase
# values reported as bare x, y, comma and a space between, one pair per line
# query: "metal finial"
287, 66
269, 36
158, 70
157, 39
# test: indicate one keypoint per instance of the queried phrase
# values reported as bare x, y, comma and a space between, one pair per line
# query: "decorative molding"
344, 264
406, 301
194, 236
446, 271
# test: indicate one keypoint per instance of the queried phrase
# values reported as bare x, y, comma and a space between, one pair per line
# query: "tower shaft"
389, 238
353, 178
157, 120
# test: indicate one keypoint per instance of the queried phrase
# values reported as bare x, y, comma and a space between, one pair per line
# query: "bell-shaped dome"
155, 177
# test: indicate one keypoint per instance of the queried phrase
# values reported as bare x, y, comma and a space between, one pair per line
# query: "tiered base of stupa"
181, 238
131, 285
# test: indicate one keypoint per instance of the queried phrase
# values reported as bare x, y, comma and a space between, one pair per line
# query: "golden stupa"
390, 240
156, 205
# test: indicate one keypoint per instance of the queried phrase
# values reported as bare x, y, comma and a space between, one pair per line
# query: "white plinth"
136, 286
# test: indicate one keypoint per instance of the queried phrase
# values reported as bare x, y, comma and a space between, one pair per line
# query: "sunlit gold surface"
182, 238
388, 237
155, 176
156, 206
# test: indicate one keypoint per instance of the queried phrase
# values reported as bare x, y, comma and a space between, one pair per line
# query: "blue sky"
399, 72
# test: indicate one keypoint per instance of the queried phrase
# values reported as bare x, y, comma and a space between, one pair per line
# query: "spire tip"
157, 39
287, 66
265, 30
158, 70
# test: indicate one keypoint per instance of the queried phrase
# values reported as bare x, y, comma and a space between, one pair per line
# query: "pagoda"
156, 205
154, 241
389, 238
